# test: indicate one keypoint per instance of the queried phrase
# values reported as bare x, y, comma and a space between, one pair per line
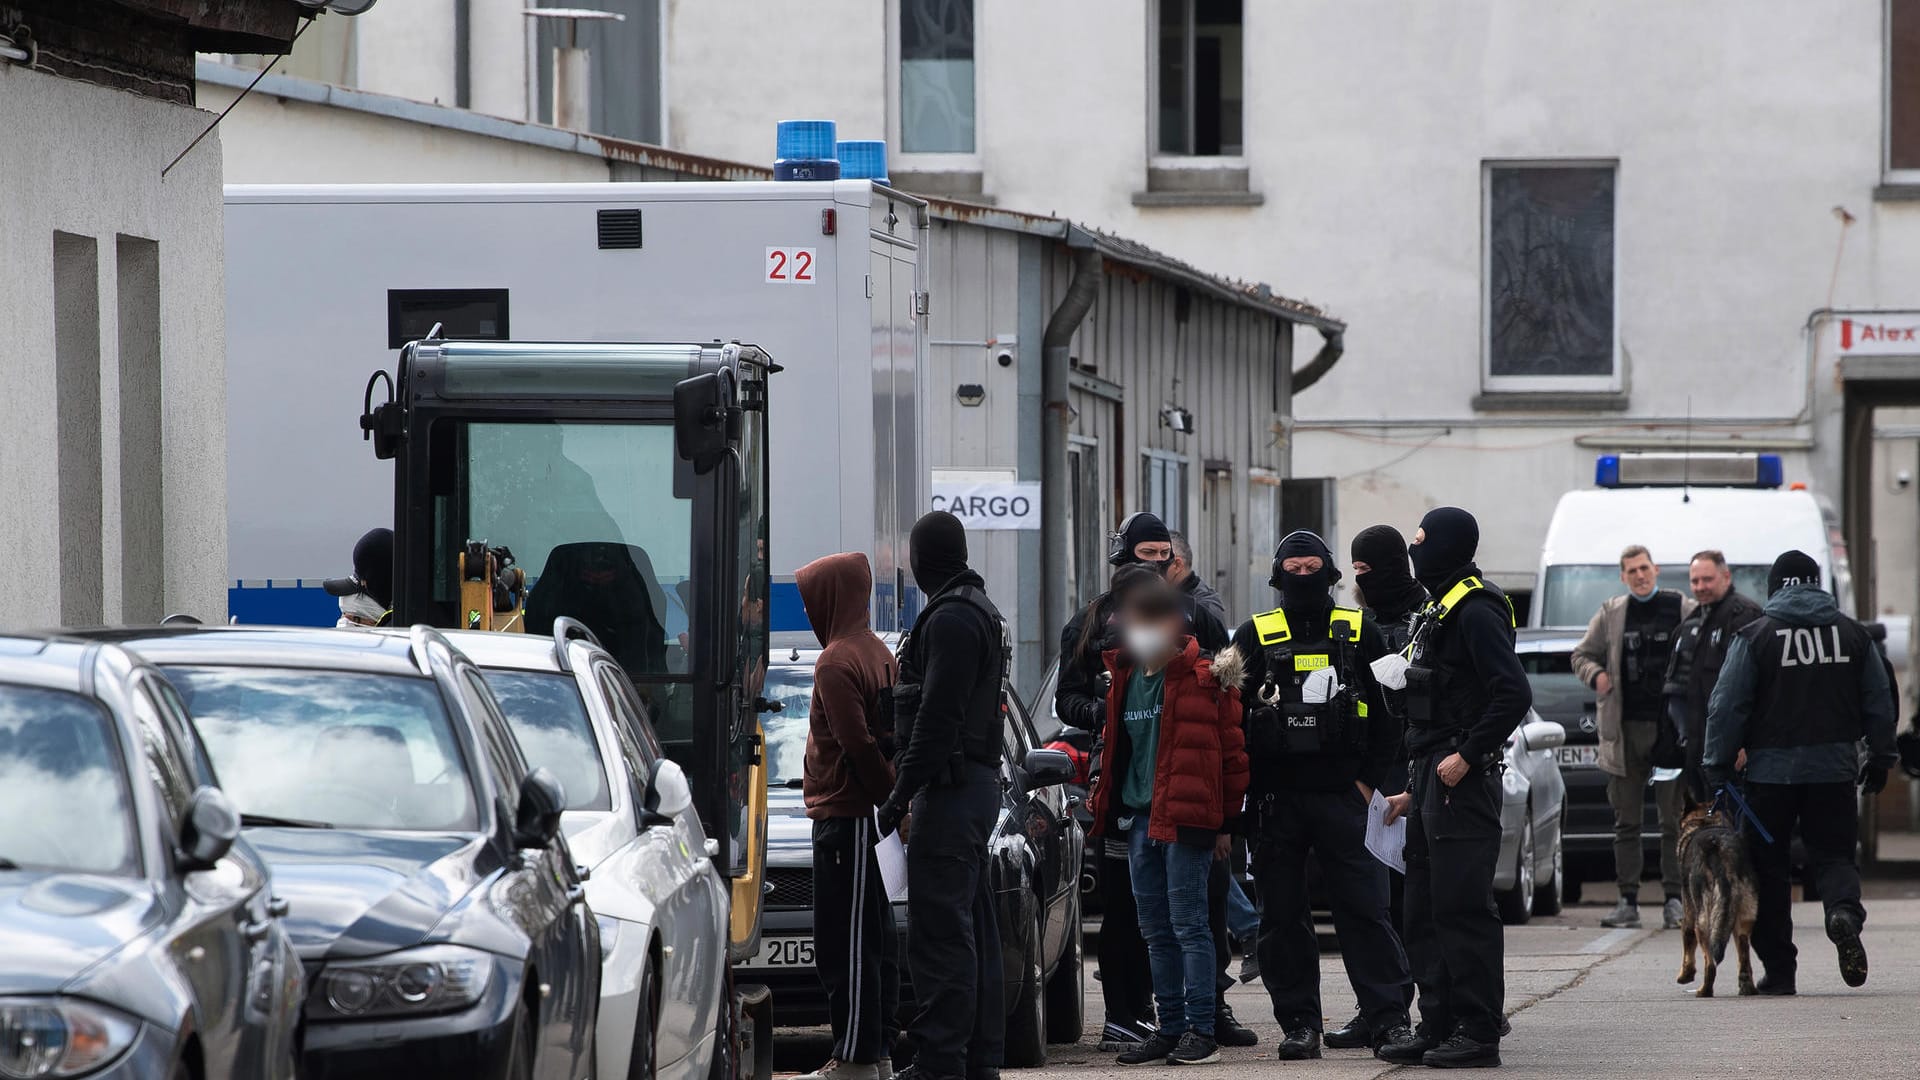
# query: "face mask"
1147, 644
1424, 569
1163, 567
1305, 591
359, 610
1651, 593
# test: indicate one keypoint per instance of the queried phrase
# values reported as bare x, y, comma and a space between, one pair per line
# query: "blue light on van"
863, 159
1606, 471
804, 150
1769, 472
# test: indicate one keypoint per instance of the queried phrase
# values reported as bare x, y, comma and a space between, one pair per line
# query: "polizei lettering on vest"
1803, 645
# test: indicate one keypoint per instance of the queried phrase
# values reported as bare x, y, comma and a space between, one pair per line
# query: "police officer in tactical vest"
1802, 686
1466, 692
947, 719
1320, 741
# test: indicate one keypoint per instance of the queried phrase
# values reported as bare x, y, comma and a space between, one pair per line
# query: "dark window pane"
1200, 64
936, 76
1174, 78
549, 719
1903, 84
1550, 267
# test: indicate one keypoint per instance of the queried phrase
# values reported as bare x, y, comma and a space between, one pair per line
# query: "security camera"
1903, 479
1005, 357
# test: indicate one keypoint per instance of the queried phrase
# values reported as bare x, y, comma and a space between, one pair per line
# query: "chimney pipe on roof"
573, 66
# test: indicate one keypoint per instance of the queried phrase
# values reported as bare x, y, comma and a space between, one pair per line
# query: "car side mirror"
537, 820
702, 418
1048, 768
1542, 735
211, 826
668, 794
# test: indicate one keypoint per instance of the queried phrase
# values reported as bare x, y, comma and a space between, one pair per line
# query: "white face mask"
1148, 644
359, 610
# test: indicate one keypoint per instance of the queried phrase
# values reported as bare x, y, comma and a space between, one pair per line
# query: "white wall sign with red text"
1887, 334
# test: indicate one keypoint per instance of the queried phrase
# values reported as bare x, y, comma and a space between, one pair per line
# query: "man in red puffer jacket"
1174, 783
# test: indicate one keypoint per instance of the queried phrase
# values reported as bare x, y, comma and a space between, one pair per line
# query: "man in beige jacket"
1623, 657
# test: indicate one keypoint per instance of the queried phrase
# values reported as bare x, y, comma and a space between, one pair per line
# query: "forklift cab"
623, 486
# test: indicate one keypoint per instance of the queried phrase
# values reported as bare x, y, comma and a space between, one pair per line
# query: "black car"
433, 899
1034, 855
138, 934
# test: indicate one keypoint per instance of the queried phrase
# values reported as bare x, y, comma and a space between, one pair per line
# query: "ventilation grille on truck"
619, 229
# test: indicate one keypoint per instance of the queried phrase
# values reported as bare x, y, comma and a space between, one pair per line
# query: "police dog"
1719, 893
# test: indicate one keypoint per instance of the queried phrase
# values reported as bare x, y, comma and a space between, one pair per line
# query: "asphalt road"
1590, 1002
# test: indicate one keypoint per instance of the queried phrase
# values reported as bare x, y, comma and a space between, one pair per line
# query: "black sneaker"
1228, 1031
1195, 1049
1299, 1045
1843, 929
1402, 1045
1357, 1035
1155, 1051
1463, 1051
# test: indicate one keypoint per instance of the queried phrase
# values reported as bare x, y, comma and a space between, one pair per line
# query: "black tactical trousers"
1829, 827
1126, 984
1332, 825
853, 935
1454, 938
953, 939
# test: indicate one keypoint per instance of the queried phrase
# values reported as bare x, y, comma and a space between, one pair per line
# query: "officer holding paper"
1321, 741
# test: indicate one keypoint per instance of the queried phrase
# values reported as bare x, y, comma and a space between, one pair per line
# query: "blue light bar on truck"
805, 150
863, 159
1698, 470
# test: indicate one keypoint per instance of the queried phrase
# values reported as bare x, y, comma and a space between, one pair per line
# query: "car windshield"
63, 791
345, 749
549, 718
792, 686
1558, 694
1572, 592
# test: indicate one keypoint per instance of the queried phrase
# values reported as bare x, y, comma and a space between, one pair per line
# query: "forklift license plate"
783, 952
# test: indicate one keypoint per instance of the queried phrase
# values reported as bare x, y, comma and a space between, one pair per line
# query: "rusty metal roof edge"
1259, 296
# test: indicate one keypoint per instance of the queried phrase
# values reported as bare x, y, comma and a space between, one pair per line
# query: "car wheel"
1516, 904
1027, 1026
1547, 895
1067, 991
640, 1064
520, 1059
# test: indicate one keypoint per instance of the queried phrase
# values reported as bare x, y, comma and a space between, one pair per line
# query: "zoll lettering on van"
999, 504
1879, 334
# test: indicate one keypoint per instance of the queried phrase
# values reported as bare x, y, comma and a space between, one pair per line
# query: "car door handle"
576, 894
256, 931
277, 908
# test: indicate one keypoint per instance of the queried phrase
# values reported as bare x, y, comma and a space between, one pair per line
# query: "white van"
1676, 505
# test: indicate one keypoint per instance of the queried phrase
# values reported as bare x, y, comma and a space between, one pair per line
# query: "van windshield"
1572, 592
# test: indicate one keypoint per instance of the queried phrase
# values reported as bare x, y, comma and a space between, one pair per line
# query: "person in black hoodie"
1466, 692
948, 770
1321, 741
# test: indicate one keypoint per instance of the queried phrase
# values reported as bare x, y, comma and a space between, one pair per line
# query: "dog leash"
1743, 814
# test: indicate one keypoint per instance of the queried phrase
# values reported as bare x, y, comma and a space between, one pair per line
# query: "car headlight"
609, 935
59, 1037
415, 982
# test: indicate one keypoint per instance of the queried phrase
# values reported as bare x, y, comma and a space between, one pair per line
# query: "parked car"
1034, 858
1559, 695
1076, 743
139, 936
432, 896
661, 905
1531, 876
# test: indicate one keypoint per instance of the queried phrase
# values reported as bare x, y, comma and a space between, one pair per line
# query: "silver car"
1531, 876
662, 907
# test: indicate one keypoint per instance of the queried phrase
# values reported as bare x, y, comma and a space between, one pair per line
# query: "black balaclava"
1304, 592
1792, 568
1143, 528
1388, 584
373, 565
937, 551
1452, 537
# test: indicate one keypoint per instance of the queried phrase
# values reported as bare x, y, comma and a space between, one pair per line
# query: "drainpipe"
1322, 362
1056, 419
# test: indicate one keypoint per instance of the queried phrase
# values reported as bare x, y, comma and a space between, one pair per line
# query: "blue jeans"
1170, 892
1242, 917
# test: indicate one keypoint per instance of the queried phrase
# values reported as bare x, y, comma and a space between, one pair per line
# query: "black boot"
1463, 1051
1843, 929
1357, 1035
1402, 1046
1299, 1045
1772, 987
1228, 1031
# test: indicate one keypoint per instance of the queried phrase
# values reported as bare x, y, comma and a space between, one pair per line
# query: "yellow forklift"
624, 486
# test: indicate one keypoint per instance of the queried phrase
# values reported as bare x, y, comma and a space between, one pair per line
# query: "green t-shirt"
1140, 714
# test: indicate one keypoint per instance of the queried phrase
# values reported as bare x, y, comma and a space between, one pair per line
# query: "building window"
1164, 483
1903, 86
1551, 308
936, 77
1199, 79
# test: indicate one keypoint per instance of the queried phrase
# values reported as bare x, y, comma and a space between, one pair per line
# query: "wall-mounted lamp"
1177, 419
971, 394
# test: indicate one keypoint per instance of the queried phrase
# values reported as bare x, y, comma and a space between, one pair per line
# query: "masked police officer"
1466, 692
947, 715
1801, 687
1320, 741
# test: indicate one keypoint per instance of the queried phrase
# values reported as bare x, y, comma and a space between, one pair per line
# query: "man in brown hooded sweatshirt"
846, 777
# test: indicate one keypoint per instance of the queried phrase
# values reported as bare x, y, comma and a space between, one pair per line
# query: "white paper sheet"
1388, 843
892, 855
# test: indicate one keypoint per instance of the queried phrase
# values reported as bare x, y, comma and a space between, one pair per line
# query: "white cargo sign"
995, 504
1887, 334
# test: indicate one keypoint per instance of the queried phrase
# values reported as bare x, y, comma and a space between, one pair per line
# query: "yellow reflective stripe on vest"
1460, 592
1271, 626
1347, 617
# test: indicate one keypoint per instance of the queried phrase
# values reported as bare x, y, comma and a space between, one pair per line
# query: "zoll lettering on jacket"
1802, 645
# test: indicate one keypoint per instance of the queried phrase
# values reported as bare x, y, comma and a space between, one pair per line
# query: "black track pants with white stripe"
854, 944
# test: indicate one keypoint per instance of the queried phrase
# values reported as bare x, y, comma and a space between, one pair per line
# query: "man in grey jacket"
1802, 686
1199, 594
1623, 657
